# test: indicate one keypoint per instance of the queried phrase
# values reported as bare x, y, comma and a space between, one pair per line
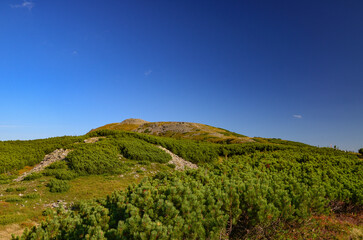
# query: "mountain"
178, 130
149, 180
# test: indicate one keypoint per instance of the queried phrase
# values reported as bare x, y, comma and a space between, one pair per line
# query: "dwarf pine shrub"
33, 176
94, 159
59, 186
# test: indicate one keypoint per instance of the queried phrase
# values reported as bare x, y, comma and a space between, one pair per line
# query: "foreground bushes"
232, 198
256, 188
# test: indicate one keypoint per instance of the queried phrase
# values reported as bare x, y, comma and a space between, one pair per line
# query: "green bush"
17, 154
189, 205
5, 177
13, 199
94, 159
256, 189
58, 186
9, 190
171, 165
6, 181
136, 149
31, 196
20, 189
360, 151
58, 165
146, 163
33, 176
62, 174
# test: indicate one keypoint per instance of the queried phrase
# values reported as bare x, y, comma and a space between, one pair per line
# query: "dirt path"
180, 163
50, 158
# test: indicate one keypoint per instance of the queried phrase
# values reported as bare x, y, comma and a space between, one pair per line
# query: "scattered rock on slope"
180, 163
185, 130
56, 155
92, 139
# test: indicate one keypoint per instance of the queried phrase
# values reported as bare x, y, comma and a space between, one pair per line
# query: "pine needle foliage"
237, 190
136, 149
94, 159
252, 191
58, 186
15, 155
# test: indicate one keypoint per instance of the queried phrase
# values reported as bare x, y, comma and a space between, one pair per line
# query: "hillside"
117, 184
178, 130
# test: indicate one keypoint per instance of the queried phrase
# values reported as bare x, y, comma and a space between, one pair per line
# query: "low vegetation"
17, 154
33, 176
255, 190
178, 130
93, 159
56, 185
137, 149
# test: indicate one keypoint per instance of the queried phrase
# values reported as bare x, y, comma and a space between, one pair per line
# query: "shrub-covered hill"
178, 130
255, 190
15, 155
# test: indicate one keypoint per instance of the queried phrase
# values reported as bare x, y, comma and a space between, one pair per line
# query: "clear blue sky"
283, 69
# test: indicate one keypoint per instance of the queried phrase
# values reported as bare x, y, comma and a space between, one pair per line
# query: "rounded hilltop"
186, 130
135, 121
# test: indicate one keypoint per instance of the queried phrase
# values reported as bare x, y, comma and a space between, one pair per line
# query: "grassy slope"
28, 212
196, 131
18, 212
14, 216
181, 130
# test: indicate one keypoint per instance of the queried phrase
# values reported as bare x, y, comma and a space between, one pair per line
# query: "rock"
56, 155
58, 204
180, 163
93, 139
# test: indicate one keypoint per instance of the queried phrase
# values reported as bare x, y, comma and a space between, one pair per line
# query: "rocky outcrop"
178, 130
92, 139
162, 128
180, 163
59, 203
56, 155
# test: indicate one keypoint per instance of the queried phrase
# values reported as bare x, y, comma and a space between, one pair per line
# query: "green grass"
97, 169
20, 209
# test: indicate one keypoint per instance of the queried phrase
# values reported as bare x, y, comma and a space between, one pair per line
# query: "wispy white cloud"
25, 4
75, 52
147, 73
297, 116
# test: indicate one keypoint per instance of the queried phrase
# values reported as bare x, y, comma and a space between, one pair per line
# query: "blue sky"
283, 69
